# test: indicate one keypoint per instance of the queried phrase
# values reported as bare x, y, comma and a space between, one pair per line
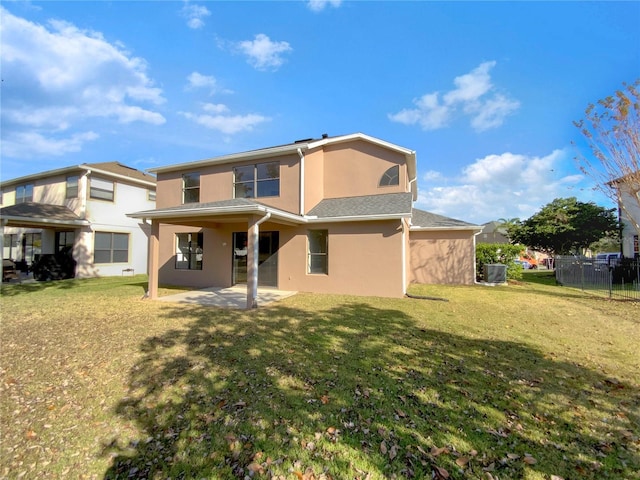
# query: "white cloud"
430, 114
263, 53
319, 5
218, 117
57, 77
194, 15
197, 80
473, 97
431, 176
215, 108
499, 186
27, 144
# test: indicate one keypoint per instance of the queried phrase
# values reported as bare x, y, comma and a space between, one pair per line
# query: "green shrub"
505, 253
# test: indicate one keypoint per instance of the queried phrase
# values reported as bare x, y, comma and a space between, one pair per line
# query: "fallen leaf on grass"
435, 451
462, 461
31, 435
324, 399
529, 460
441, 472
556, 477
255, 468
393, 451
383, 448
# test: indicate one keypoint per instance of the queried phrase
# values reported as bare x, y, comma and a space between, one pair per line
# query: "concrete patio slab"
231, 297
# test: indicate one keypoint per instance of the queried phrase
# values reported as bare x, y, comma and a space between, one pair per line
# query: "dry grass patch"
528, 381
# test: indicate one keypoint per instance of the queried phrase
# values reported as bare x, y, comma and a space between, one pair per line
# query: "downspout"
85, 194
252, 287
475, 264
410, 182
404, 257
301, 181
3, 223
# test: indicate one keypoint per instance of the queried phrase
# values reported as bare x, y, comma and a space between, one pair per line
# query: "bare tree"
612, 130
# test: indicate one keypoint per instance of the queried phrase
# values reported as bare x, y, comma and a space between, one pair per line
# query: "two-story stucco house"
82, 210
329, 215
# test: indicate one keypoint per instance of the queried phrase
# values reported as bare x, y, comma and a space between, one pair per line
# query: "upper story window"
151, 195
191, 188
261, 180
72, 186
101, 189
24, 193
390, 177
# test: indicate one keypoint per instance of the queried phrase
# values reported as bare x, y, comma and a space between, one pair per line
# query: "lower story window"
10, 246
64, 241
111, 247
318, 251
189, 251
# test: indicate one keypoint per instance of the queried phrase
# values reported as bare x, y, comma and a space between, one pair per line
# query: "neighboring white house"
81, 209
629, 208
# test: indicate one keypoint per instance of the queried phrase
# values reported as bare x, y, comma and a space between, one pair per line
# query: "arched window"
390, 177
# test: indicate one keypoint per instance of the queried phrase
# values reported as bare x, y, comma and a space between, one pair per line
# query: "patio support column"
2, 225
253, 235
252, 262
154, 253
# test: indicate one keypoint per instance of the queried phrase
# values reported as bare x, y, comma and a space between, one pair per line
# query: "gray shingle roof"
234, 202
423, 219
368, 205
40, 211
120, 169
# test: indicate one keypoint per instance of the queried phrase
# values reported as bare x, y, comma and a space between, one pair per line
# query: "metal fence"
619, 280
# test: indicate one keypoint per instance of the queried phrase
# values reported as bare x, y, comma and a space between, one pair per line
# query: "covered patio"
229, 297
216, 215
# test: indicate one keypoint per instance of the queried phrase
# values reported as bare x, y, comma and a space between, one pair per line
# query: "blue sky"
484, 92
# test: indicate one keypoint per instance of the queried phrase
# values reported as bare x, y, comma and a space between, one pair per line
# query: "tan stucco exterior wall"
442, 257
314, 179
355, 168
216, 183
365, 258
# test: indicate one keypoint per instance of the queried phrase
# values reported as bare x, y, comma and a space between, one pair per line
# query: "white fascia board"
357, 218
106, 173
212, 211
441, 229
45, 221
198, 212
234, 157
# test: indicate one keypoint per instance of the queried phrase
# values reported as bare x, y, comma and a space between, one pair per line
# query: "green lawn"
530, 381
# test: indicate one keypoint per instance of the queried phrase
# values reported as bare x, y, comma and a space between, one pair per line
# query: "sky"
486, 93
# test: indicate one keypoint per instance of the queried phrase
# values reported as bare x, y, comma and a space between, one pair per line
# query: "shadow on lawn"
356, 390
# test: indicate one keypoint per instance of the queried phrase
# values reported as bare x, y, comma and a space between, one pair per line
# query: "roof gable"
111, 169
421, 219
